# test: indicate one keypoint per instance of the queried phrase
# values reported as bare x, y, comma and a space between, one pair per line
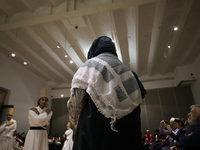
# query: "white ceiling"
141, 29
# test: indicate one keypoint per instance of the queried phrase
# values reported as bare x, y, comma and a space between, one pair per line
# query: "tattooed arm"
75, 105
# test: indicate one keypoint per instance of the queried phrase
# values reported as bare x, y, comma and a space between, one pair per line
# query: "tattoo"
75, 105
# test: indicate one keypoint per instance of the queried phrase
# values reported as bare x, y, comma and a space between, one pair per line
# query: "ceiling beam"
187, 53
76, 13
33, 66
30, 8
176, 35
89, 23
37, 39
53, 3
6, 8
35, 55
158, 18
52, 29
132, 31
70, 38
115, 36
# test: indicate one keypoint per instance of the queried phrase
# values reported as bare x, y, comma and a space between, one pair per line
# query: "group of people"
104, 108
9, 138
36, 138
18, 140
64, 143
177, 135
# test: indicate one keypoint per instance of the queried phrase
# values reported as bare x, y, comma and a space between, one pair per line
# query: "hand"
166, 126
162, 123
169, 129
35, 110
173, 148
3, 123
190, 134
9, 123
48, 111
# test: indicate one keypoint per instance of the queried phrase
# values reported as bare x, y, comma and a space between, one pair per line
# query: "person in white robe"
68, 145
6, 131
39, 117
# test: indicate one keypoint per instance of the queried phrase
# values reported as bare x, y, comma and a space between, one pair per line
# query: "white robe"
69, 141
38, 139
6, 135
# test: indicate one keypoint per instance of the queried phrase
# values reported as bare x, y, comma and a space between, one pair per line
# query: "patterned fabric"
110, 84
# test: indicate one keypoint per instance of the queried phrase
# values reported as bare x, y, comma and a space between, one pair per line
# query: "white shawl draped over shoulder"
110, 84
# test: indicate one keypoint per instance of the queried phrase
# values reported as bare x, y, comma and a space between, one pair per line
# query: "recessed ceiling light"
175, 28
168, 46
58, 46
13, 54
71, 61
25, 63
62, 95
66, 56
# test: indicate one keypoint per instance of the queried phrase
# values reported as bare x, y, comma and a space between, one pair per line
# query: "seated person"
50, 139
179, 123
190, 140
56, 139
22, 137
157, 136
164, 130
17, 142
148, 140
54, 143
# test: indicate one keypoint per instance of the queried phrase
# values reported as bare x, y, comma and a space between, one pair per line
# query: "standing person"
69, 141
6, 131
39, 117
107, 96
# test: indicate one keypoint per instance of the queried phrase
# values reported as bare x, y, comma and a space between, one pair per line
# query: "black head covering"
101, 45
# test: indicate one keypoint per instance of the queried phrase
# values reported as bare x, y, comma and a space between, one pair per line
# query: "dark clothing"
23, 140
176, 137
143, 91
157, 138
94, 132
101, 45
191, 142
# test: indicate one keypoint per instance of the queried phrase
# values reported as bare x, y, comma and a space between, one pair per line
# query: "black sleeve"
143, 91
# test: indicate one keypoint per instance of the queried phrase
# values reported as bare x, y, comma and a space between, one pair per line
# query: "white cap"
43, 93
172, 119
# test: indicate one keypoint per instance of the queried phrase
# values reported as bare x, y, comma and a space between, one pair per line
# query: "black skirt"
94, 131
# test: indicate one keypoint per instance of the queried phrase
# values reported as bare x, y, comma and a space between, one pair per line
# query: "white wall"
24, 90
195, 87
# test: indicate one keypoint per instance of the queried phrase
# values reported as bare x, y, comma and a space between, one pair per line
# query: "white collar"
10, 120
40, 109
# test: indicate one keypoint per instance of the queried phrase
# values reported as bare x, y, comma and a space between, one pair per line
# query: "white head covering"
172, 119
10, 111
43, 93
